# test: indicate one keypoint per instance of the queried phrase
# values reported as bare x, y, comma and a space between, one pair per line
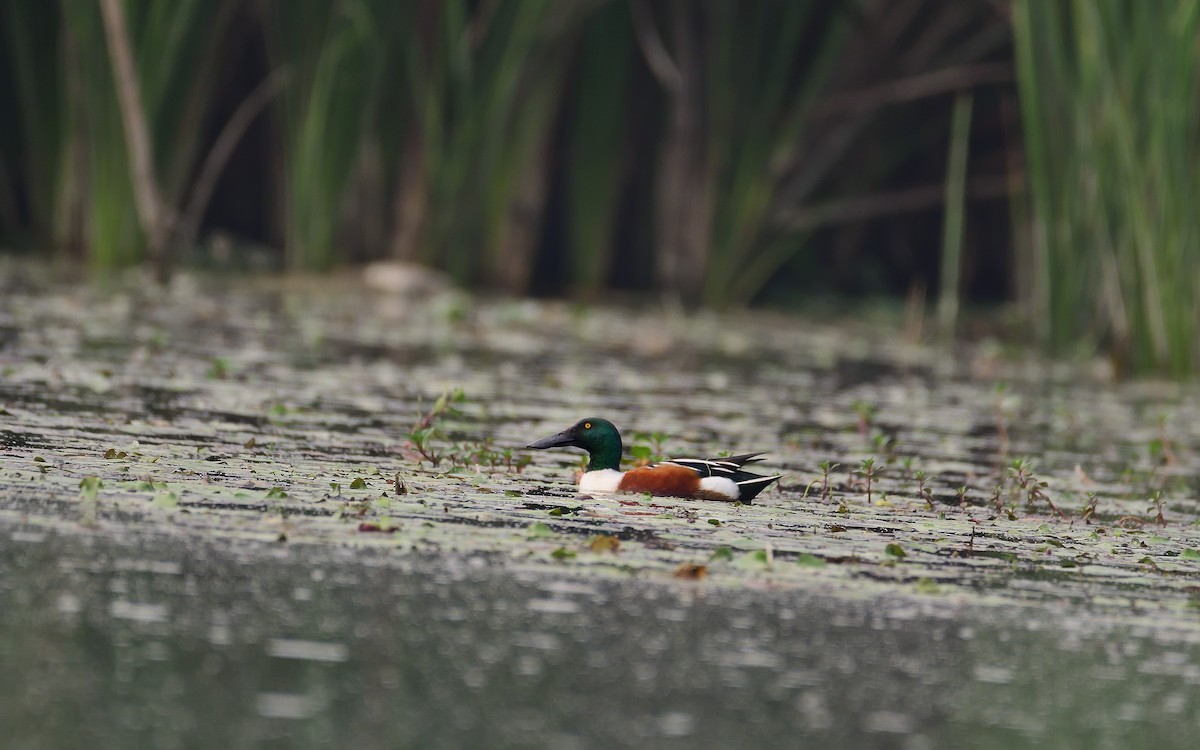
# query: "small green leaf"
538, 530
753, 560
39, 460
512, 493
714, 522
810, 561
1190, 554
89, 487
721, 553
358, 484
997, 554
166, 500
894, 550
562, 553
556, 511
926, 586
276, 493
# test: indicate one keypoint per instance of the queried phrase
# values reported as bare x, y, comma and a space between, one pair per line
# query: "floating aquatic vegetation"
333, 419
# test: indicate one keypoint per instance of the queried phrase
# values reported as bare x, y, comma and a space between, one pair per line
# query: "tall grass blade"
954, 218
333, 53
597, 133
1109, 94
32, 36
171, 49
486, 92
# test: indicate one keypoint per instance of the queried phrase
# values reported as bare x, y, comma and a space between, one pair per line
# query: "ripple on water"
676, 724
123, 609
158, 567
889, 722
290, 648
554, 606
287, 705
993, 674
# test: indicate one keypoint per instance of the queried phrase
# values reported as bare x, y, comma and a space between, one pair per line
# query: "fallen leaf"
368, 526
604, 543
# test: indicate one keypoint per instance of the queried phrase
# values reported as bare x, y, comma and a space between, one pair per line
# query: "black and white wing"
749, 484
717, 467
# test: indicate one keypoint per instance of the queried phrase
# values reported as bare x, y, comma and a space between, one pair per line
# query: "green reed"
1109, 102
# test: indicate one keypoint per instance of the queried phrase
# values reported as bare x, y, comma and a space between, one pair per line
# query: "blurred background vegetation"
1042, 154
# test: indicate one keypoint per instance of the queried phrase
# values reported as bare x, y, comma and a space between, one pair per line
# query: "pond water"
216, 531
162, 641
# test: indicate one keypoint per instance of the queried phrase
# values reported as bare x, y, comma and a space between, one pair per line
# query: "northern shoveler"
706, 479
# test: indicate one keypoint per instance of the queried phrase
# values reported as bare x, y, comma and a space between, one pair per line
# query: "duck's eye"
587, 425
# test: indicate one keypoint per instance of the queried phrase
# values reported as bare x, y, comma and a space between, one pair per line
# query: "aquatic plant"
426, 430
647, 447
1088, 512
865, 414
335, 55
954, 219
826, 467
1020, 473
1108, 93
866, 470
923, 493
1005, 405
92, 189
1157, 505
479, 137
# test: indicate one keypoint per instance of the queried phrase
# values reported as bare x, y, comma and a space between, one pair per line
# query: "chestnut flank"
664, 480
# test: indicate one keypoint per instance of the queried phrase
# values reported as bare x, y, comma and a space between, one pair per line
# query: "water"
261, 646
217, 582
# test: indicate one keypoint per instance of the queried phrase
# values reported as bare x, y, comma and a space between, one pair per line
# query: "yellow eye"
587, 425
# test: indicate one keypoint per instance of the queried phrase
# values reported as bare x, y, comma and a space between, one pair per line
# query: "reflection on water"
150, 641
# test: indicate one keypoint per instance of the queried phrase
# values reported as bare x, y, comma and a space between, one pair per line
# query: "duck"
694, 478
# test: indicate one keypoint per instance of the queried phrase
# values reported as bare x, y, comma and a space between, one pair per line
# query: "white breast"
720, 486
604, 480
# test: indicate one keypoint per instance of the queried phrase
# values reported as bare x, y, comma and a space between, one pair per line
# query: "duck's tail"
753, 484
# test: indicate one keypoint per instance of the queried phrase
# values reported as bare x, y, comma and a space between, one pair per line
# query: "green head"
596, 436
